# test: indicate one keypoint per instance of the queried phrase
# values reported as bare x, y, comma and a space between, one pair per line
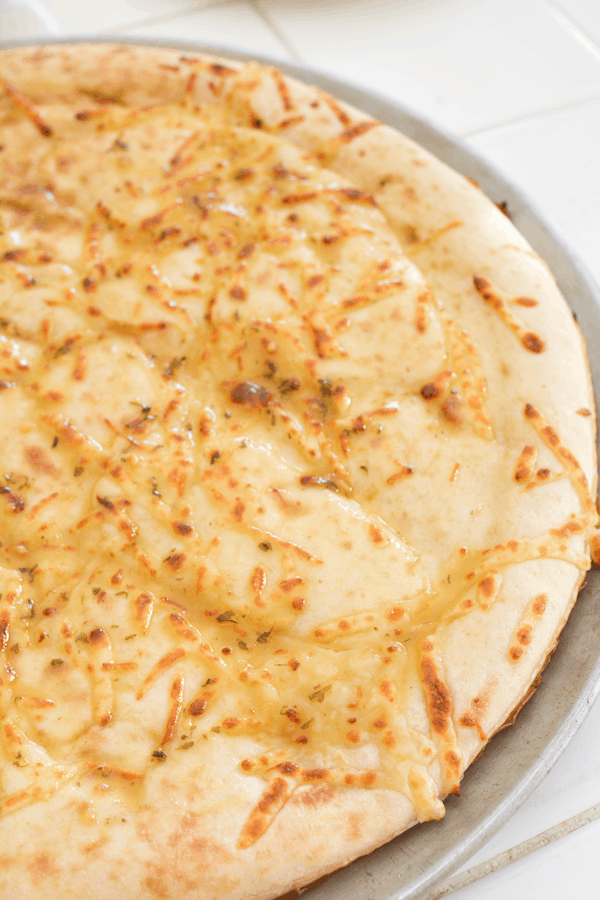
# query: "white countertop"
520, 79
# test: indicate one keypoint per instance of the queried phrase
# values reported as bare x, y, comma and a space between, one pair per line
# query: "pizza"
298, 477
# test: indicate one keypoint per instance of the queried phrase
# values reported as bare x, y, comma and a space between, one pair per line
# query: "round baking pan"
519, 757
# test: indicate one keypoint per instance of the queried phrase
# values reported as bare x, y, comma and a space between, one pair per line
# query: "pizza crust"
185, 841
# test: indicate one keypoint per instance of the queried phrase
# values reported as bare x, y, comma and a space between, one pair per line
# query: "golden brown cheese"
227, 401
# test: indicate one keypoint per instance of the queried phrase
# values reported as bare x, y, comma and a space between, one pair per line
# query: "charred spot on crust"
526, 460
482, 284
318, 480
533, 342
273, 795
98, 638
250, 394
198, 707
531, 412
356, 131
439, 701
287, 768
430, 391
526, 301
386, 690
237, 292
315, 796
38, 460
288, 584
246, 251
221, 70
452, 759
315, 774
12, 255
183, 528
487, 585
356, 194
524, 634
376, 534
175, 561
551, 436
451, 409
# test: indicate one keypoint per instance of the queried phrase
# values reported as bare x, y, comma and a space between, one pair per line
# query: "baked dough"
298, 455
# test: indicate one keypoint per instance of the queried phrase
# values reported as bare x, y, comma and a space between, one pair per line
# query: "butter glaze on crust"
303, 487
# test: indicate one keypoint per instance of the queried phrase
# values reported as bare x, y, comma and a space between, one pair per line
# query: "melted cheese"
219, 452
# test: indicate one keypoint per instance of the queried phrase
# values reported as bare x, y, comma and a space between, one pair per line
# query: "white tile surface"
86, 17
571, 787
555, 158
585, 13
468, 63
569, 868
236, 25
26, 19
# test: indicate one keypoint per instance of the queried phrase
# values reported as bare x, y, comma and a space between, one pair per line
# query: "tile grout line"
258, 8
551, 110
515, 853
578, 31
167, 17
